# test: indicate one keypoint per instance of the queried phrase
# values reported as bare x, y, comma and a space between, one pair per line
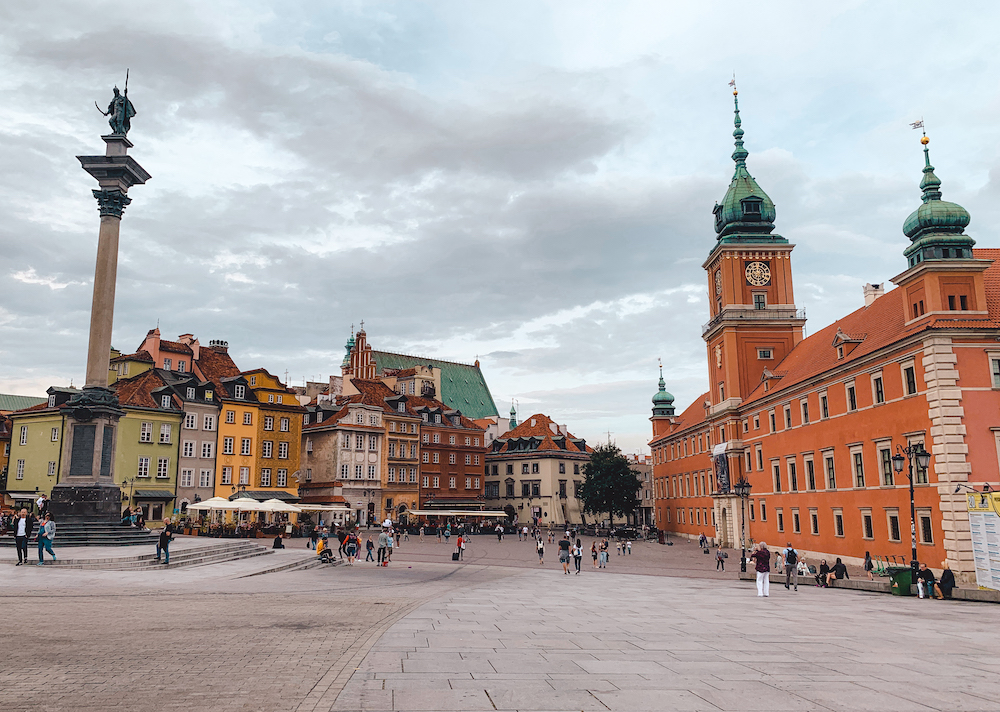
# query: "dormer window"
437, 419
164, 401
718, 216
401, 407
52, 401
208, 395
190, 394
253, 380
752, 208
240, 391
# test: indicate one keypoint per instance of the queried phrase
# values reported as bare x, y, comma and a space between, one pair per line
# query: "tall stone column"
87, 490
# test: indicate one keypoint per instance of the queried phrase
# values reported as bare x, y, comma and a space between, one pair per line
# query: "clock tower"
754, 322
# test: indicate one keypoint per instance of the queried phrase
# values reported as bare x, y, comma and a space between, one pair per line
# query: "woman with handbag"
720, 559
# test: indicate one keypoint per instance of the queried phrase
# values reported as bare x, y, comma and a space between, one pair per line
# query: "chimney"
219, 347
564, 429
873, 292
554, 428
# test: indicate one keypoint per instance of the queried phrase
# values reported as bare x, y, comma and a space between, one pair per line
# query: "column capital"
111, 202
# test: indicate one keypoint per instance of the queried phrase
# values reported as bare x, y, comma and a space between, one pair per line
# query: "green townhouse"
146, 454
148, 444
36, 449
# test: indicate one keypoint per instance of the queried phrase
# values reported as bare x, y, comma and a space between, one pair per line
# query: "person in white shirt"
23, 526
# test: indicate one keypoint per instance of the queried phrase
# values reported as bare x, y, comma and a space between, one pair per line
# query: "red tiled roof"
539, 426
140, 355
40, 406
136, 391
882, 324
175, 347
214, 366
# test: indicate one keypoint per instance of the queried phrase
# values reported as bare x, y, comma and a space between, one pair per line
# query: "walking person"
341, 537
540, 547
564, 545
421, 532
593, 553
43, 506
869, 566
46, 533
791, 557
163, 541
628, 545
370, 548
23, 526
390, 543
351, 547
603, 552
577, 555
762, 557
720, 559
460, 546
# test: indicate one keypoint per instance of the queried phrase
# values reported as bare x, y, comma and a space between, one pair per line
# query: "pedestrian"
837, 571
947, 581
278, 543
43, 505
460, 546
525, 532
577, 555
499, 531
390, 543
341, 537
163, 541
791, 557
593, 553
23, 526
46, 533
926, 583
720, 559
383, 546
702, 540
603, 551
824, 572
628, 545
421, 533
406, 534
351, 548
447, 534
779, 562
869, 566
370, 548
618, 548
762, 557
540, 546
564, 545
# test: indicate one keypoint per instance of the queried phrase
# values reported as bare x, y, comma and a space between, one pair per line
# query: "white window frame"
187, 448
165, 433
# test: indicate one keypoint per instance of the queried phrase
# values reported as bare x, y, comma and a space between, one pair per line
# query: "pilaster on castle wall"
949, 448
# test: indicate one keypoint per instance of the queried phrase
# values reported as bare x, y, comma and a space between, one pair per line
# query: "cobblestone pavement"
495, 632
198, 639
545, 641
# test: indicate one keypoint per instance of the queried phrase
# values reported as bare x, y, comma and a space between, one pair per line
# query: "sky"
526, 183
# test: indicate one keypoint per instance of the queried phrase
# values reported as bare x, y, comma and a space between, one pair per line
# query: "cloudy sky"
526, 182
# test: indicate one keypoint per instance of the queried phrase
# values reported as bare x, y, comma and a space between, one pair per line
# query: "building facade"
198, 437
812, 423
535, 471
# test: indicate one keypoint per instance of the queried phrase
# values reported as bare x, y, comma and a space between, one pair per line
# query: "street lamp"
923, 460
742, 490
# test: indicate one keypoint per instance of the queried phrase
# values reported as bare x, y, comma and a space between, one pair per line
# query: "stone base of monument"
96, 503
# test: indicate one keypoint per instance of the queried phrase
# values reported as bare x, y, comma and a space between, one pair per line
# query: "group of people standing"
22, 525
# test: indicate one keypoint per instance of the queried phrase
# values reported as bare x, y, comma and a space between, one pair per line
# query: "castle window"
963, 302
759, 300
764, 354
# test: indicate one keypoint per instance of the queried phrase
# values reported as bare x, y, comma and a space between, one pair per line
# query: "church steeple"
512, 423
936, 229
746, 213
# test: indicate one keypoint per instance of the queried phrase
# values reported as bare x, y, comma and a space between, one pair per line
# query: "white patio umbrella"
211, 503
276, 505
245, 504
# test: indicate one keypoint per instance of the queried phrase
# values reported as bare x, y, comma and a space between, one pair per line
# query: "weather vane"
120, 111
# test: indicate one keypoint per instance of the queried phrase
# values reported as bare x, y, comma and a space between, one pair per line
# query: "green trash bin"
900, 581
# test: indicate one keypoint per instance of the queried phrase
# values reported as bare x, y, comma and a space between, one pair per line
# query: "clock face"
758, 274
718, 281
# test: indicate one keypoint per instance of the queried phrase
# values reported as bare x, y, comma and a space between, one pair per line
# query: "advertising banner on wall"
984, 523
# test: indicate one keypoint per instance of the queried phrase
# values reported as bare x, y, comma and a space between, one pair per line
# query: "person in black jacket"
23, 525
824, 573
163, 542
839, 571
947, 581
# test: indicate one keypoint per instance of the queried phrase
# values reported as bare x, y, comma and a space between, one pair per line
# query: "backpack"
792, 557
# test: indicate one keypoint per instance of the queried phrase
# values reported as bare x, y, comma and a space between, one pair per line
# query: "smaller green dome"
936, 228
663, 401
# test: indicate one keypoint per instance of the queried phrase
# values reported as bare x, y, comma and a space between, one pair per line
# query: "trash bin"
900, 581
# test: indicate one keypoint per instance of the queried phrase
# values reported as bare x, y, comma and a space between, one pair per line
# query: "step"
188, 557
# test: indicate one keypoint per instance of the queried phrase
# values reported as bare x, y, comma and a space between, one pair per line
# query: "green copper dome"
663, 401
937, 227
350, 345
746, 213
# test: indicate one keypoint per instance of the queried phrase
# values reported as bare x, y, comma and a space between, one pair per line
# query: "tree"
609, 484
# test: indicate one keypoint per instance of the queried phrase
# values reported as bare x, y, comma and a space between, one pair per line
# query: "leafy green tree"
609, 484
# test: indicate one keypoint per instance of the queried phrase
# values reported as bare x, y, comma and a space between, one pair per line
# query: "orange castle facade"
812, 423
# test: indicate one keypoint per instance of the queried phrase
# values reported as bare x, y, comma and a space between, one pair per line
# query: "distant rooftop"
10, 403
462, 384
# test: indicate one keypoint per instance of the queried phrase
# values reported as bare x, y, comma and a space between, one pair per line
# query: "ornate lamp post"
742, 490
923, 459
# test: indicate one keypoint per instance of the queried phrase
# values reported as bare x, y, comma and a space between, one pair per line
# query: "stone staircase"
91, 533
226, 550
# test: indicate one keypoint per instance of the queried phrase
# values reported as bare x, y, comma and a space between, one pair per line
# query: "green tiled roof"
9, 402
462, 385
